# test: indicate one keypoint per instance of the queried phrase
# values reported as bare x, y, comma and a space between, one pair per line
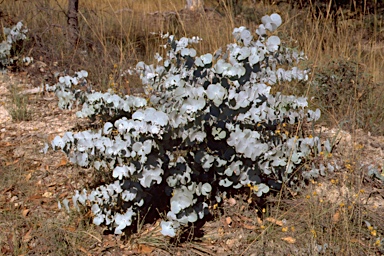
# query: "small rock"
232, 201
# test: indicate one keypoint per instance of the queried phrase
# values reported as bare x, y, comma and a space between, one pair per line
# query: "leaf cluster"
10, 47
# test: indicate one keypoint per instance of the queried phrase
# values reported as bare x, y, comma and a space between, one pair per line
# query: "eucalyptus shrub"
12, 36
208, 123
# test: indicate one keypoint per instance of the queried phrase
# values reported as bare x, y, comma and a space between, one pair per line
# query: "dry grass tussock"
341, 214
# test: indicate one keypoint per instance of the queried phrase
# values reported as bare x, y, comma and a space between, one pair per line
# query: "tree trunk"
194, 5
73, 22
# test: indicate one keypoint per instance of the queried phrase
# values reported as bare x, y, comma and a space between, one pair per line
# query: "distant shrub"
344, 90
10, 46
